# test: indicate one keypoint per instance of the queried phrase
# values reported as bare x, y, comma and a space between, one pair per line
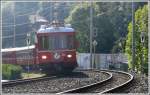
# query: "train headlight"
44, 57
69, 55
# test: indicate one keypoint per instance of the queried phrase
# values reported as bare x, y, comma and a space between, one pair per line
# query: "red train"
54, 49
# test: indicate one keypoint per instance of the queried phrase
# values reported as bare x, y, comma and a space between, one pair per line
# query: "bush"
11, 72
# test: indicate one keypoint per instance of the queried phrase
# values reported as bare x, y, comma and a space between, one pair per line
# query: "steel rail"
21, 81
82, 88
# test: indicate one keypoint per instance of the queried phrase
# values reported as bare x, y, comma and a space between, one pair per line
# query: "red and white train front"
56, 48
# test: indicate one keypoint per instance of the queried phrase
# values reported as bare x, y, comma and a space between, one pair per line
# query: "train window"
70, 42
51, 42
56, 42
63, 42
44, 42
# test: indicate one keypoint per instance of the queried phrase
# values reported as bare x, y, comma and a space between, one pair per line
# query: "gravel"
117, 79
138, 85
77, 79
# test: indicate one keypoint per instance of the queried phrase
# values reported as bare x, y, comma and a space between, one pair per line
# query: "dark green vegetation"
112, 20
11, 72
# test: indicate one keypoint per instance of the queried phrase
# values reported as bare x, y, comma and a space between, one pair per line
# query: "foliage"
81, 26
110, 19
141, 25
47, 9
11, 72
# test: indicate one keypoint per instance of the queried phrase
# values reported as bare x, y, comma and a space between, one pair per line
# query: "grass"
31, 75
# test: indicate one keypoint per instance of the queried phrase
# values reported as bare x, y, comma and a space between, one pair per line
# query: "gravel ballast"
117, 79
77, 79
138, 85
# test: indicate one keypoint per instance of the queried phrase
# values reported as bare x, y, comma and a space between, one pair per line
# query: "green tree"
141, 25
111, 20
79, 18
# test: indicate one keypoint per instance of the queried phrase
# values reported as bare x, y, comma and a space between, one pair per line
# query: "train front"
56, 48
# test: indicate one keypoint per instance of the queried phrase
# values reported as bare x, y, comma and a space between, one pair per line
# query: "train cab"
56, 47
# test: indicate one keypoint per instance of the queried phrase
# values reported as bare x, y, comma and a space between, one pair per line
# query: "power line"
34, 12
30, 23
23, 23
24, 15
9, 36
17, 24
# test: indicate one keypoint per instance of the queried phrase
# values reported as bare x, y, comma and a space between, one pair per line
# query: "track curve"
82, 88
118, 80
81, 81
121, 85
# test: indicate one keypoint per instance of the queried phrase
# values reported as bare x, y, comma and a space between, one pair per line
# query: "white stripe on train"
18, 48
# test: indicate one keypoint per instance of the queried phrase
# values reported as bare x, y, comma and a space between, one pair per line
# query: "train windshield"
56, 42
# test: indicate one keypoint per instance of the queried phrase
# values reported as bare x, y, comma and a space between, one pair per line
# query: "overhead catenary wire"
23, 15
81, 21
23, 23
19, 24
43, 9
11, 24
10, 36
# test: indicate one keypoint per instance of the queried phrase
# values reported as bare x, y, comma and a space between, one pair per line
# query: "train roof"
43, 29
18, 48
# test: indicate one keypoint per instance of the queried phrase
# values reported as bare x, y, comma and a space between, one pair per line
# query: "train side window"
63, 42
51, 43
44, 42
70, 42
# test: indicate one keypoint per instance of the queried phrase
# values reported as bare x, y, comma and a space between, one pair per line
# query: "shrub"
11, 72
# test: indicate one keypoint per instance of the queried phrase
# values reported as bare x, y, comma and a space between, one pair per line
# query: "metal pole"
94, 58
14, 18
28, 43
133, 39
50, 12
142, 60
91, 34
28, 61
149, 38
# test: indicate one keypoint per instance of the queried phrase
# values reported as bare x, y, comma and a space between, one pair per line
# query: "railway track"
23, 81
82, 81
57, 84
118, 80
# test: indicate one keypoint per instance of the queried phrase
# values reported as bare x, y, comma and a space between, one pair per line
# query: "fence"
102, 61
